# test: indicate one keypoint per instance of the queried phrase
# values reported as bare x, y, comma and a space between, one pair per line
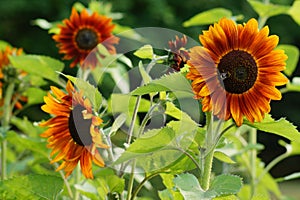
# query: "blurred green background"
17, 29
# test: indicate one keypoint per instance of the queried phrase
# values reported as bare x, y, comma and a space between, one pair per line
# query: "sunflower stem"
208, 154
65, 181
139, 187
131, 180
271, 165
253, 155
5, 126
77, 180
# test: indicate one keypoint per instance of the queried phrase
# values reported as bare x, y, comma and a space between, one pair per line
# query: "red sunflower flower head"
178, 55
73, 131
236, 72
81, 33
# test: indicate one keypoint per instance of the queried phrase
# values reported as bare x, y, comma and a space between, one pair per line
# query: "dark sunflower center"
86, 39
238, 71
80, 128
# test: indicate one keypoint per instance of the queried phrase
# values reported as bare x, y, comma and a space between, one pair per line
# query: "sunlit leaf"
294, 11
280, 127
118, 122
42, 23
124, 103
268, 10
33, 186
146, 77
293, 57
223, 157
174, 82
208, 17
152, 141
145, 52
43, 66
35, 95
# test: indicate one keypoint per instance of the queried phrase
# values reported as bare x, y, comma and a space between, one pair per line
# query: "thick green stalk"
5, 125
253, 155
208, 161
208, 154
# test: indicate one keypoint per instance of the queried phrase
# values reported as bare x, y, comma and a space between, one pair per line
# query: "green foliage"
145, 52
166, 83
106, 184
280, 127
294, 11
268, 10
222, 185
33, 186
223, 157
207, 17
35, 95
293, 57
226, 184
153, 141
28, 143
37, 65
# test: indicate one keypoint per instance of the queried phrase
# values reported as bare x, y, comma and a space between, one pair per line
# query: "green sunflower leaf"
145, 52
280, 127
167, 83
152, 141
293, 57
33, 186
42, 66
294, 11
225, 184
26, 126
169, 193
35, 95
268, 10
207, 17
190, 188
223, 157
89, 91
33, 144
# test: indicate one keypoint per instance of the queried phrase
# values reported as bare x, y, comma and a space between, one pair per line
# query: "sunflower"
72, 133
178, 54
236, 70
80, 34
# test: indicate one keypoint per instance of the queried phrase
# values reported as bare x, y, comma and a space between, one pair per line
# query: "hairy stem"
205, 179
